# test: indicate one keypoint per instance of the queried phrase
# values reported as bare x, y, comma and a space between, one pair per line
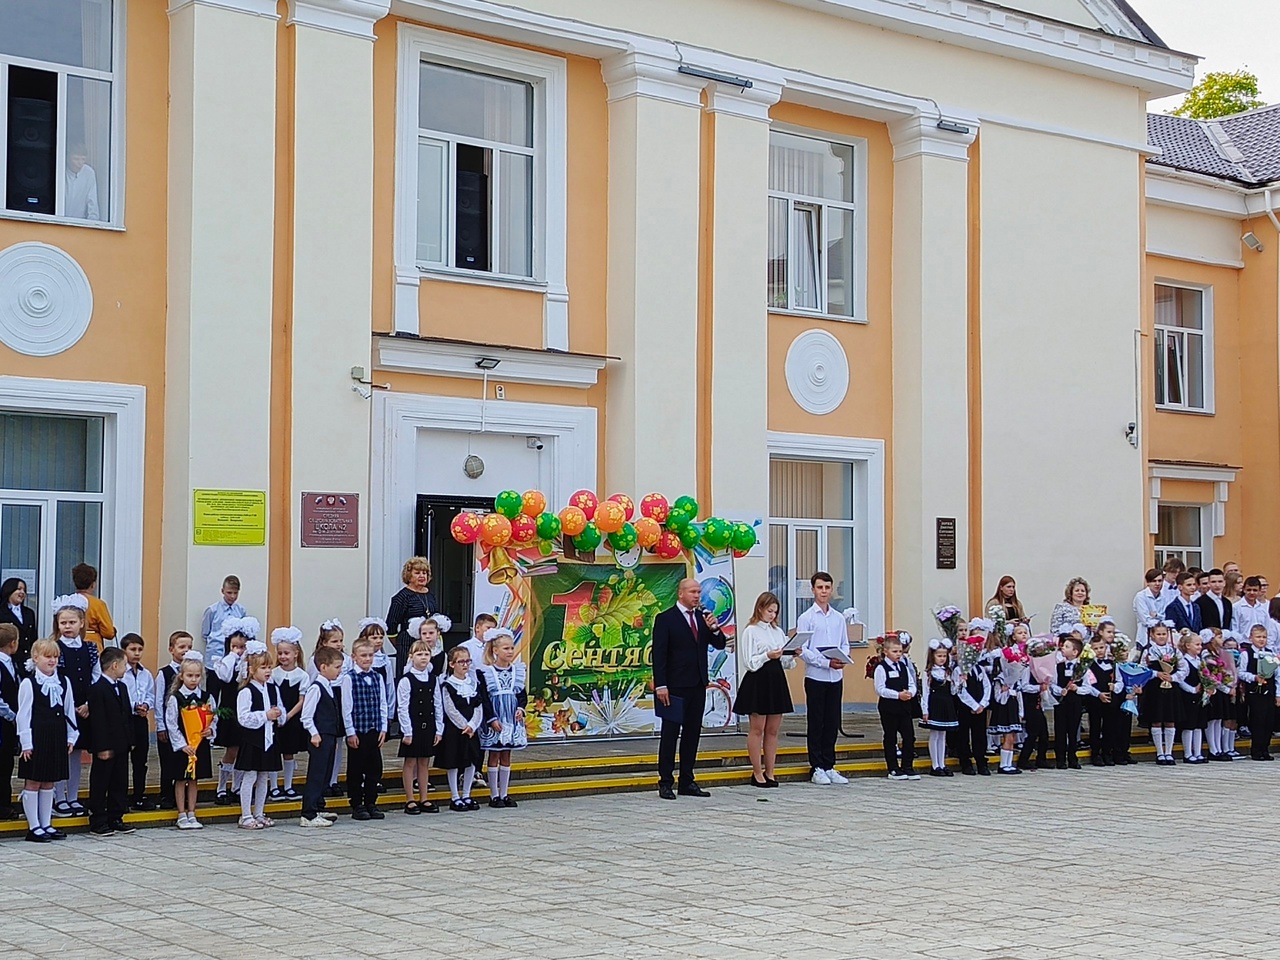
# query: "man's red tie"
693, 625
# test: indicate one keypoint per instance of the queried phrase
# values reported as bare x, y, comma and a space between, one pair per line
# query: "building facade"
870, 272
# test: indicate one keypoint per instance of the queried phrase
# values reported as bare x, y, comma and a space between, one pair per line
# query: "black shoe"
382, 787
968, 771
33, 837
141, 804
471, 804
666, 791
458, 806
376, 814
102, 830
1108, 762
223, 799
947, 773
333, 791
1027, 767
1073, 764
168, 803
937, 772
508, 802
1097, 763
119, 826
53, 833
692, 790
1061, 765
496, 803
759, 783
984, 771
361, 813
770, 783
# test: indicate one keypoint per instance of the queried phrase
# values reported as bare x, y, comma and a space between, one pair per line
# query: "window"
1184, 349
811, 527
475, 171
1181, 535
816, 226
57, 102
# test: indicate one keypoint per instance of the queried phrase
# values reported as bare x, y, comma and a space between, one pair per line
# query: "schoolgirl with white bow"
293, 681
1159, 703
47, 733
416, 713
939, 703
502, 681
187, 690
78, 663
1191, 711
459, 715
260, 713
1006, 699
236, 632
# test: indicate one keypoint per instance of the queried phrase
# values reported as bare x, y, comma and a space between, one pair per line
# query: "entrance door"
452, 563
22, 534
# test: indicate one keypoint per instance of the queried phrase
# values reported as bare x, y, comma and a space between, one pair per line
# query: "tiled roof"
1244, 147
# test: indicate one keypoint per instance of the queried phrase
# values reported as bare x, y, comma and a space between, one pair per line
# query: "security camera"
534, 443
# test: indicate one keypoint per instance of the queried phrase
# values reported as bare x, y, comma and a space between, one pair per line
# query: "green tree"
1221, 94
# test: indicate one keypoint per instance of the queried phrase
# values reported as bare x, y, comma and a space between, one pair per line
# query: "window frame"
858, 207
1160, 331
548, 76
116, 77
1162, 551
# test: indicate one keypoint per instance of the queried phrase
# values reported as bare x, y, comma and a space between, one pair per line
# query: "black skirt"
942, 709
204, 764
292, 738
1192, 713
48, 763
1006, 717
423, 745
229, 733
456, 751
1221, 707
764, 691
253, 758
1159, 705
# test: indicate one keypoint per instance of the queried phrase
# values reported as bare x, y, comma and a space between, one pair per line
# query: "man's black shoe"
693, 790
666, 791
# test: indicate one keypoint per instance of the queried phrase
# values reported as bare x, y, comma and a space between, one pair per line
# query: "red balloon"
627, 504
586, 501
655, 505
739, 554
465, 527
668, 546
524, 529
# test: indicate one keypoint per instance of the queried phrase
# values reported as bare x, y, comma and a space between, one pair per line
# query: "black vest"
901, 681
328, 715
258, 737
1249, 664
1066, 669
973, 684
9, 687
422, 706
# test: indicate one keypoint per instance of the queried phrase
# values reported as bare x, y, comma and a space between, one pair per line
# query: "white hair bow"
74, 601
286, 635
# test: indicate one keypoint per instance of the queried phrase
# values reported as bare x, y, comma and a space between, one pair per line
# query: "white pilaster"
222, 76
930, 372
654, 136
739, 332
332, 291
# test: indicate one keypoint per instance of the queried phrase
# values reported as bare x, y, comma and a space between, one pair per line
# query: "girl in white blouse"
763, 696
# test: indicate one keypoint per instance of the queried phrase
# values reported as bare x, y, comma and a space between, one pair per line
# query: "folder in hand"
672, 712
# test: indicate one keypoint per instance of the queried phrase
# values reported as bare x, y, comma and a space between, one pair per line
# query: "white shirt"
829, 631
141, 686
82, 194
177, 734
252, 719
761, 639
476, 646
445, 706
310, 699
1245, 614
1149, 611
163, 695
403, 697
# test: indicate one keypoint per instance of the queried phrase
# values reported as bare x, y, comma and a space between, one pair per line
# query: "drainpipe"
1271, 213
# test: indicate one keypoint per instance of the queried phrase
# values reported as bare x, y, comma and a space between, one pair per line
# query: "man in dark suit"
1182, 610
1215, 609
681, 636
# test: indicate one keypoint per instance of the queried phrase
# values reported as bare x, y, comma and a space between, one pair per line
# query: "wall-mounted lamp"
952, 127
1252, 242
487, 363
701, 74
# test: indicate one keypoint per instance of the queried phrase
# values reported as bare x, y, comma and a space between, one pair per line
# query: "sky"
1226, 34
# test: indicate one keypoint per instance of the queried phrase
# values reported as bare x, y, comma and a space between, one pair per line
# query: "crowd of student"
251, 695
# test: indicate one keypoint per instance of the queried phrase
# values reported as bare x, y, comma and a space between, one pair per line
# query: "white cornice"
1022, 36
255, 8
920, 136
352, 18
454, 359
652, 75
1196, 193
753, 103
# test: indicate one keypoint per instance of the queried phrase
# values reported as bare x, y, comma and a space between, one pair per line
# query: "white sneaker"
186, 822
820, 776
912, 776
316, 821
834, 777
897, 776
328, 816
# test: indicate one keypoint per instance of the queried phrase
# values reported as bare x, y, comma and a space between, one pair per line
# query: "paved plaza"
1090, 864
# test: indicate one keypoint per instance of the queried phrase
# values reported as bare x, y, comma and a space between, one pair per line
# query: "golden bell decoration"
501, 568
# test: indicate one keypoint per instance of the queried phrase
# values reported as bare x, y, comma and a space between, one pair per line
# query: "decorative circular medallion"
45, 299
817, 371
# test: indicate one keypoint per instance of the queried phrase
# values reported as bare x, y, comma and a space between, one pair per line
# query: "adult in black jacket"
14, 609
681, 636
110, 736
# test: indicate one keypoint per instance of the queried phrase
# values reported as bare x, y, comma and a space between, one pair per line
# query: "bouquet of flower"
1121, 647
1213, 671
1043, 655
995, 613
1267, 663
195, 721
1168, 665
1082, 665
948, 618
876, 658
1042, 646
1133, 675
1014, 666
969, 650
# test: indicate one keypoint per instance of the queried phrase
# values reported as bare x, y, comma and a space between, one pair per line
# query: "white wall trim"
549, 76
868, 458
459, 360
1068, 133
255, 8
1194, 192
397, 418
639, 73
919, 135
124, 461
1220, 477
1194, 258
352, 18
1181, 471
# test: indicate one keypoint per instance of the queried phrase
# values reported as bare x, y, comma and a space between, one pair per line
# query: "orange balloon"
610, 516
647, 532
533, 502
572, 521
524, 529
495, 530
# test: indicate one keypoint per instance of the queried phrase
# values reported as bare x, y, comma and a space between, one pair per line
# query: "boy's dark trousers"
896, 722
969, 740
1102, 729
169, 771
1066, 730
8, 754
1037, 732
319, 763
138, 757
1262, 721
1122, 732
364, 770
108, 789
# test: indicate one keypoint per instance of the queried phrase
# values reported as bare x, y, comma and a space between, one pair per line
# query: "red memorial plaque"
331, 519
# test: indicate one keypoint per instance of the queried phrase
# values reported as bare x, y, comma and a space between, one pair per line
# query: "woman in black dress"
414, 600
14, 609
1006, 596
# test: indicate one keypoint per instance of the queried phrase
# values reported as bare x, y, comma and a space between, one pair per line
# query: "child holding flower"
1158, 703
186, 692
1102, 691
1191, 705
1258, 675
938, 700
1066, 715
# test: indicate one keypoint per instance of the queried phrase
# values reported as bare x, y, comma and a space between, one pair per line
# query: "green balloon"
548, 526
688, 505
690, 536
717, 533
508, 503
588, 539
545, 548
624, 539
744, 537
678, 520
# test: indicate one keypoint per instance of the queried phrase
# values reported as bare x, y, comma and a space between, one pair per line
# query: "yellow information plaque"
1090, 614
229, 518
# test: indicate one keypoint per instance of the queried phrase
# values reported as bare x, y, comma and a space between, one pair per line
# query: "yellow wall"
125, 342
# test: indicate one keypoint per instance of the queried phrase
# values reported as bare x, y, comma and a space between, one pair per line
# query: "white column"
654, 133
332, 291
222, 80
930, 369
739, 333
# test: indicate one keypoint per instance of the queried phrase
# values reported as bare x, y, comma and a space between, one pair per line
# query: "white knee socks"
1229, 739
44, 807
246, 798
495, 782
1197, 744
337, 763
453, 783
290, 768
224, 776
1006, 759
468, 778
60, 791
1213, 731
259, 794
504, 779
31, 807
938, 748
1188, 751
